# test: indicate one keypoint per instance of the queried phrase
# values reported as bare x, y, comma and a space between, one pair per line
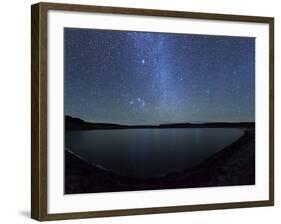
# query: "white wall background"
15, 111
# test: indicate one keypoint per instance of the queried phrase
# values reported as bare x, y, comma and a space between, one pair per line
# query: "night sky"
152, 78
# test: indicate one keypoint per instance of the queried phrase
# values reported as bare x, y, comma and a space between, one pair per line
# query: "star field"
152, 78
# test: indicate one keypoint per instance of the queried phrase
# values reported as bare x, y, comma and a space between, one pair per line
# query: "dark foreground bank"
234, 165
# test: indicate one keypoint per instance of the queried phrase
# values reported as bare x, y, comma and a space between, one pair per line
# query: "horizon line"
158, 124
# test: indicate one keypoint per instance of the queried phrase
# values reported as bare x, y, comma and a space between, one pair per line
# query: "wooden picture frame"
39, 110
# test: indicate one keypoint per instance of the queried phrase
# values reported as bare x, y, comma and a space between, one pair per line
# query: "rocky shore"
233, 165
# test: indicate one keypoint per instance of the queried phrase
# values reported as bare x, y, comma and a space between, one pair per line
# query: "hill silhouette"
72, 123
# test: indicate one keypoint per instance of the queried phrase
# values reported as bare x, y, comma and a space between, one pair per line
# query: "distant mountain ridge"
72, 123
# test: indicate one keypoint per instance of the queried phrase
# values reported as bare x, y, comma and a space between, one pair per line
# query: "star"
141, 102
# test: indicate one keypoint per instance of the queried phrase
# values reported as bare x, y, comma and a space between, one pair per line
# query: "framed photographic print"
139, 111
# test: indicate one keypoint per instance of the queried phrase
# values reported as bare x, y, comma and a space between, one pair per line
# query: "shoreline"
77, 124
233, 165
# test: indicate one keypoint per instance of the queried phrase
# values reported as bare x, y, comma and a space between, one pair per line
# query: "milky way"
152, 78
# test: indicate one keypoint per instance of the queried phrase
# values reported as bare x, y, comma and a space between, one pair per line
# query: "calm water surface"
147, 153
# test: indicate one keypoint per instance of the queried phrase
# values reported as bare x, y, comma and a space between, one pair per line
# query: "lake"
146, 153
